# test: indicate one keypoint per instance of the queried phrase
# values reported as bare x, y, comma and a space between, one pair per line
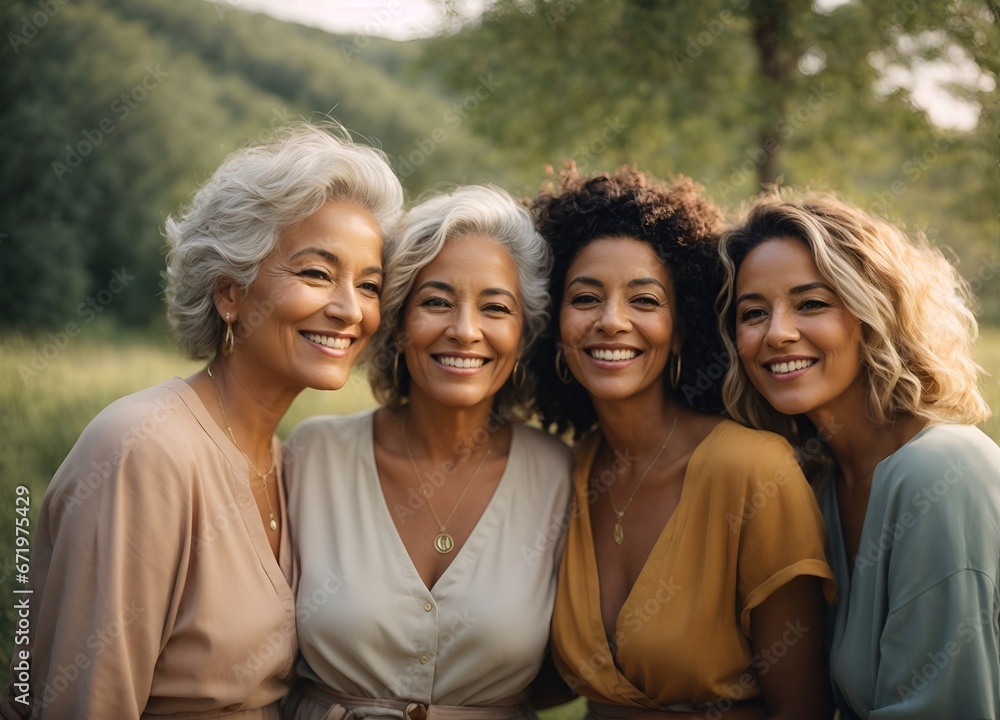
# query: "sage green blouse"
915, 634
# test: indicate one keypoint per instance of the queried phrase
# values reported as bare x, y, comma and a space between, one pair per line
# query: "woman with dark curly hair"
856, 344
693, 577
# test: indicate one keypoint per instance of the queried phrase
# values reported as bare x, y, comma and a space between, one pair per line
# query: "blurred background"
115, 110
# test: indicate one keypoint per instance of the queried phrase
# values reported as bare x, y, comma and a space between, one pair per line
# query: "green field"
48, 395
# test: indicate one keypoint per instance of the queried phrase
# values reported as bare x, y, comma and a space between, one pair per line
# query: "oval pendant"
274, 525
619, 534
444, 543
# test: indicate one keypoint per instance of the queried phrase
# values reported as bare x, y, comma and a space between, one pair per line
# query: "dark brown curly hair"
683, 227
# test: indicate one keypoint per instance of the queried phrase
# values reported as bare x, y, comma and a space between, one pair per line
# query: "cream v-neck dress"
369, 627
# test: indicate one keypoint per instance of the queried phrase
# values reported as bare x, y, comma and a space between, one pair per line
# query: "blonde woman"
857, 345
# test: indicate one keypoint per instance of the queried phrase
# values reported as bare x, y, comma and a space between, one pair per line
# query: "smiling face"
315, 303
617, 323
798, 342
462, 324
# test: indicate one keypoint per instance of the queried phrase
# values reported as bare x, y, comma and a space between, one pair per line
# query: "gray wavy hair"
472, 209
235, 219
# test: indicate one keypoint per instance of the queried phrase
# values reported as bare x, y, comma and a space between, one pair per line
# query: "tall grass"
48, 395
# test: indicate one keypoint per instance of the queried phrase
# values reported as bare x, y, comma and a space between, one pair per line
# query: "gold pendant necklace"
443, 542
619, 533
263, 476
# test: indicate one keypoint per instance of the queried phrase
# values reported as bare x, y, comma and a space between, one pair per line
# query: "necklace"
619, 534
263, 476
443, 542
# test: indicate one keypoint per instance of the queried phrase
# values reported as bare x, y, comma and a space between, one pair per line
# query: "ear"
226, 298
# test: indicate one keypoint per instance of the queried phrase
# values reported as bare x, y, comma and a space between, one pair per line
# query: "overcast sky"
407, 19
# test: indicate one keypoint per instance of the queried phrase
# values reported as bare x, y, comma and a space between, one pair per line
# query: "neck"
253, 408
442, 434
636, 426
860, 446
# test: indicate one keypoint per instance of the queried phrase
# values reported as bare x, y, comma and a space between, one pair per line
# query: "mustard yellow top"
746, 523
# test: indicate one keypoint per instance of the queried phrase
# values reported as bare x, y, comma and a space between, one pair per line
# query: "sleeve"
939, 653
114, 529
781, 534
938, 647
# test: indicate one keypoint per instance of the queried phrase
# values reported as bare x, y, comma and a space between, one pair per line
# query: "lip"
788, 376
460, 356
335, 352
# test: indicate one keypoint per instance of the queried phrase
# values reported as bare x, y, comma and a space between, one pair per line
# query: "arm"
939, 653
789, 656
104, 582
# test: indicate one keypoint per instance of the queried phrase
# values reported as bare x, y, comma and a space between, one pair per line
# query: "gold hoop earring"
395, 368
675, 370
519, 375
562, 369
228, 340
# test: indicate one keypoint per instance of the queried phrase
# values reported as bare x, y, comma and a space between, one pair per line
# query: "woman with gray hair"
162, 572
428, 530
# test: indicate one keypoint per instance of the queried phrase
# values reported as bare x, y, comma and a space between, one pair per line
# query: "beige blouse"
155, 592
369, 627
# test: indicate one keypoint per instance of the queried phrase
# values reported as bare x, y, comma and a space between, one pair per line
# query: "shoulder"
736, 451
151, 414
938, 498
542, 445
338, 429
956, 454
132, 446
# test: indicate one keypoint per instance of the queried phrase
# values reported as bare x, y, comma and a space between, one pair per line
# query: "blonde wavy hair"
917, 324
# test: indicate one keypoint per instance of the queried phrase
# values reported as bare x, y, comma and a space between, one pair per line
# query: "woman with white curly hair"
162, 572
429, 529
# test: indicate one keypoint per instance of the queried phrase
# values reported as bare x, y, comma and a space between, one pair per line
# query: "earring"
519, 375
562, 369
675, 370
395, 368
228, 340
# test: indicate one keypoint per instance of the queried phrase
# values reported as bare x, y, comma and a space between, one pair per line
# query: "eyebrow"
797, 290
335, 260
638, 282
445, 287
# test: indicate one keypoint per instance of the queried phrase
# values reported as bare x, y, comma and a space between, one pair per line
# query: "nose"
781, 328
465, 328
613, 319
344, 305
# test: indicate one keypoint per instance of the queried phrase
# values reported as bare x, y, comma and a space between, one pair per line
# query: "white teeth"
600, 354
330, 342
460, 362
787, 367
